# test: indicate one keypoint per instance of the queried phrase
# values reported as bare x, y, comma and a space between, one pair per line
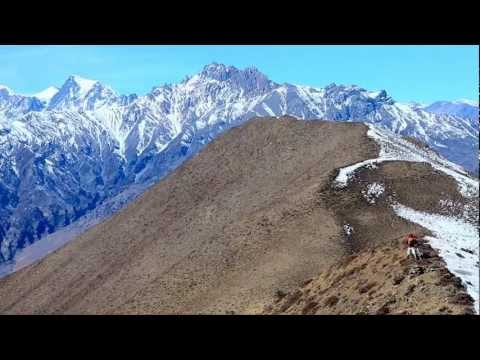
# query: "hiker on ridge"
412, 248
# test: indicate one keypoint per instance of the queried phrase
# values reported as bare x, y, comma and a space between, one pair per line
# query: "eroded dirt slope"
379, 281
219, 234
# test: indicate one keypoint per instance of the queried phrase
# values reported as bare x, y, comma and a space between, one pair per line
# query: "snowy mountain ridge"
46, 95
462, 108
60, 158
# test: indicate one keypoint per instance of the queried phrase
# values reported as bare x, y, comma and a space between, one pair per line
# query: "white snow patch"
47, 94
85, 85
346, 173
450, 236
268, 110
446, 203
373, 192
440, 145
467, 102
394, 148
49, 164
82, 82
160, 145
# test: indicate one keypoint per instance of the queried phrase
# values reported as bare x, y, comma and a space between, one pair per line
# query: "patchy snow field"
456, 241
373, 192
394, 148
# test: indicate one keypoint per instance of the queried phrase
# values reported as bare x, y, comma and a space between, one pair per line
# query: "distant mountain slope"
461, 108
60, 159
466, 109
256, 211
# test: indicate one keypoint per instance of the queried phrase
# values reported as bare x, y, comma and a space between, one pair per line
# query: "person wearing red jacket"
412, 249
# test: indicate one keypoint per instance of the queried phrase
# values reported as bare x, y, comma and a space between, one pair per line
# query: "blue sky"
408, 73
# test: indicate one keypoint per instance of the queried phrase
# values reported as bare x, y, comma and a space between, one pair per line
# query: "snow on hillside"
85, 85
373, 192
463, 108
467, 102
47, 94
457, 240
394, 148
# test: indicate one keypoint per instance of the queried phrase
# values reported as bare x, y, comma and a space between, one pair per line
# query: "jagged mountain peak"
13, 105
81, 82
334, 87
352, 88
84, 85
358, 96
218, 71
250, 79
79, 92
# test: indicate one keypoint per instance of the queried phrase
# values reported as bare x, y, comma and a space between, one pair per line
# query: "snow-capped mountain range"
65, 151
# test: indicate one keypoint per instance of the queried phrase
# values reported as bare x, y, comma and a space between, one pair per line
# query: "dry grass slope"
379, 281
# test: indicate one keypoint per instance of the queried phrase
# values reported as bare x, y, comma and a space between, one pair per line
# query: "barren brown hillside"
379, 281
251, 215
